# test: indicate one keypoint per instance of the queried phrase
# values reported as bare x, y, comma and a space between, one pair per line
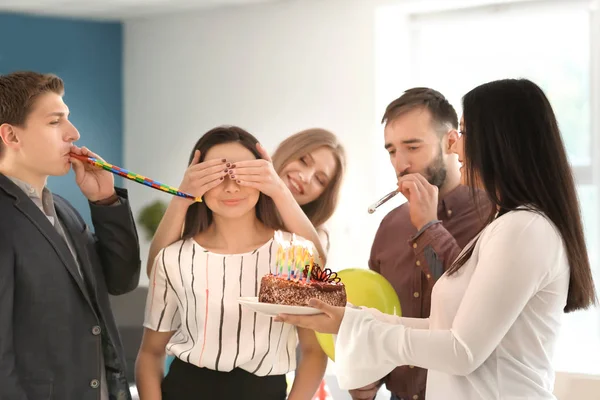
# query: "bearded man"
417, 241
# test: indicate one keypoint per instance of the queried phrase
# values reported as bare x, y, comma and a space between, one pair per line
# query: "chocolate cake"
323, 284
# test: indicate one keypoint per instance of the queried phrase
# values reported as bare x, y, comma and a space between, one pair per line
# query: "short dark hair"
513, 148
199, 217
442, 112
18, 92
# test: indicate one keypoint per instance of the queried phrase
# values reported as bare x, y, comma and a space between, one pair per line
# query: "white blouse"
493, 325
195, 293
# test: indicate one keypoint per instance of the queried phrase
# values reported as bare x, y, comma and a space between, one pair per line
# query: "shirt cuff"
352, 343
113, 200
424, 228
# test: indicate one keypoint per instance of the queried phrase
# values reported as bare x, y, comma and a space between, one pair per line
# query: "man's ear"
8, 136
450, 142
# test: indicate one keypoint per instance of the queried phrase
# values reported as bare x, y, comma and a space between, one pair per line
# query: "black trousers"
186, 381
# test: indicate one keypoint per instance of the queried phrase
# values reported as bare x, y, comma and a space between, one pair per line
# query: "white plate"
274, 309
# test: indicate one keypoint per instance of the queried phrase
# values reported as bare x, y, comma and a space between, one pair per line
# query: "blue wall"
88, 57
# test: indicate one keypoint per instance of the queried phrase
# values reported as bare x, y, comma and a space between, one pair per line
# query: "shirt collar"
45, 202
29, 189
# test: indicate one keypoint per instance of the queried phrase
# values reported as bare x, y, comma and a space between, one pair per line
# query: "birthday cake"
323, 284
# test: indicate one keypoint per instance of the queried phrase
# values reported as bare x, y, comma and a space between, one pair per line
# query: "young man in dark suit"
58, 338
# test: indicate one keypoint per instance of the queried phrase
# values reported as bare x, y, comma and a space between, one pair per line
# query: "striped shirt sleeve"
162, 310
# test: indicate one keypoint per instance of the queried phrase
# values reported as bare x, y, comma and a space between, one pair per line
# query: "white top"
195, 293
493, 325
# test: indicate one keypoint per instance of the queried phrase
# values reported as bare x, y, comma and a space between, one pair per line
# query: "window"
550, 43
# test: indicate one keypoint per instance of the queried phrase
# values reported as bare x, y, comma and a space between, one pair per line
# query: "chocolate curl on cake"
321, 275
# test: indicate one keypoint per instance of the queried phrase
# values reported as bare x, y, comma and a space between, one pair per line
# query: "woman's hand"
327, 322
199, 178
258, 174
261, 175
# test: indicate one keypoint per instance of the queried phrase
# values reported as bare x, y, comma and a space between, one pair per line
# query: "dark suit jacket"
53, 323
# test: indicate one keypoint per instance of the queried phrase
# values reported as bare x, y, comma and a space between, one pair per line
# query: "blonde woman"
309, 166
311, 163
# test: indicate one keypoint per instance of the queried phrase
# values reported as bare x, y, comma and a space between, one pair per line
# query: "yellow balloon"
364, 288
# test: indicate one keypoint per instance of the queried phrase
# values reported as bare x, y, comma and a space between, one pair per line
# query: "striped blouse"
195, 293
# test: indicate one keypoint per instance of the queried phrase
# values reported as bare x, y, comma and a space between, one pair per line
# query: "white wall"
273, 69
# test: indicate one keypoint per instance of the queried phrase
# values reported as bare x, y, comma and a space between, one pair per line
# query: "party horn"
381, 201
134, 177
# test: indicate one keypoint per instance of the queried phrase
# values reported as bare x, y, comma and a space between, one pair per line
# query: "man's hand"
95, 183
422, 198
366, 393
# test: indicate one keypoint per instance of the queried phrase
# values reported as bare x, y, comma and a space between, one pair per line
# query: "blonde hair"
302, 143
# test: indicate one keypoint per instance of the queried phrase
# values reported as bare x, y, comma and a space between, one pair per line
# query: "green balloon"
364, 288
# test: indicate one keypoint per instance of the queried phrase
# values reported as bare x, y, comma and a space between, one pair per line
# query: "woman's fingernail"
232, 165
223, 160
232, 176
221, 178
228, 164
238, 181
230, 171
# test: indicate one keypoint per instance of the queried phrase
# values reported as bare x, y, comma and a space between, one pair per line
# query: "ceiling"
116, 9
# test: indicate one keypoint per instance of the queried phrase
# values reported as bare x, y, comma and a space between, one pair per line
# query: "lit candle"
279, 256
284, 260
278, 259
299, 257
304, 259
290, 259
310, 265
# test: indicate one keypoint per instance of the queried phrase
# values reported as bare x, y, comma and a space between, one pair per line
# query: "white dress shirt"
493, 325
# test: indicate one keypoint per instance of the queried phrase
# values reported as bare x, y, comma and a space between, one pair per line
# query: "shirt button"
414, 245
449, 213
415, 397
94, 384
428, 276
418, 263
31, 190
96, 330
411, 366
416, 294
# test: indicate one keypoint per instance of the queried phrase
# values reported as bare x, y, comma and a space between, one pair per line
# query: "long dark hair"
199, 217
513, 148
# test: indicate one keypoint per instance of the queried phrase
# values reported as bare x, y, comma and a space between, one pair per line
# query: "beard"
436, 171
